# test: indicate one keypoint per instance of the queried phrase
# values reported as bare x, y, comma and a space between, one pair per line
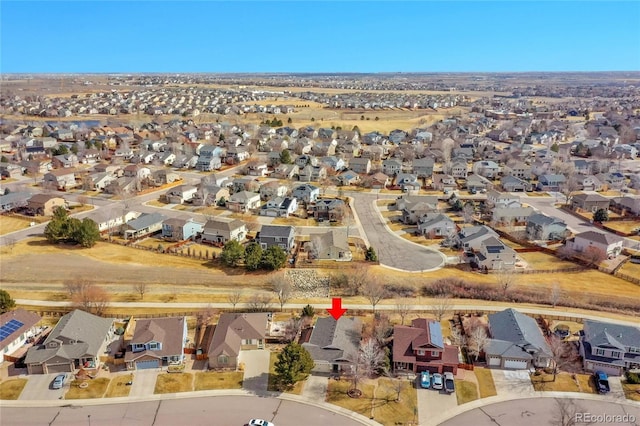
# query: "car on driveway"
449, 385
260, 422
436, 381
58, 381
425, 380
602, 381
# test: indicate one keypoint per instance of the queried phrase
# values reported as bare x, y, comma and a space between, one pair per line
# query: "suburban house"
143, 225
137, 171
518, 169
360, 165
435, 225
589, 183
420, 347
472, 237
279, 207
407, 182
243, 201
626, 205
218, 231
175, 229
332, 245
16, 328
444, 183
285, 171
209, 158
494, 255
503, 199
333, 344
413, 207
45, 204
422, 167
589, 202
488, 169
348, 177
549, 182
516, 342
236, 332
110, 219
514, 184
61, 179
306, 193
155, 342
273, 189
181, 194
609, 244
511, 215
541, 227
478, 183
378, 181
210, 195
164, 176
612, 348
331, 209
97, 181
391, 167
459, 169
274, 235
64, 161
14, 200
78, 340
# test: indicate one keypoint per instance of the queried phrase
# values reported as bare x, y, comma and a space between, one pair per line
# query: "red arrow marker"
336, 310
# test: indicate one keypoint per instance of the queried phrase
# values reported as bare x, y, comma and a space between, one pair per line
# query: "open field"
11, 389
632, 269
96, 389
174, 382
10, 224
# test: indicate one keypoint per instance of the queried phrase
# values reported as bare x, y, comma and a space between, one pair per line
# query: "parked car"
260, 422
58, 382
602, 381
425, 380
449, 386
436, 381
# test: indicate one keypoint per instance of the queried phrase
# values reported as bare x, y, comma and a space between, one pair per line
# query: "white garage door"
494, 360
515, 364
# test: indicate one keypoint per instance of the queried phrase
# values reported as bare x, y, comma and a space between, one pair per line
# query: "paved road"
217, 410
545, 411
393, 251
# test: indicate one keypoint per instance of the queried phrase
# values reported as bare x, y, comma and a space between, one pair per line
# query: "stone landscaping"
307, 283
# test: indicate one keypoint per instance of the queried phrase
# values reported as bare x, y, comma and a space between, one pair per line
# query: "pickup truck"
602, 381
449, 386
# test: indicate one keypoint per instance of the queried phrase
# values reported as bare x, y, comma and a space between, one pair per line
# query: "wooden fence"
622, 276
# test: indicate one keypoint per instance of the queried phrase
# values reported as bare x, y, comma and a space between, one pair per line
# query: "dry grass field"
10, 224
626, 226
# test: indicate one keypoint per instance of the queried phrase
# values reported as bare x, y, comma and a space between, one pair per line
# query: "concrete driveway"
432, 402
144, 382
256, 370
38, 387
512, 382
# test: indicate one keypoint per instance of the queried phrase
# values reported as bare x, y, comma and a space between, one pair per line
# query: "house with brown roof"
589, 202
16, 327
155, 342
61, 179
236, 332
45, 204
420, 347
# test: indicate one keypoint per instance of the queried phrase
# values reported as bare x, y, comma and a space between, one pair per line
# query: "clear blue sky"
325, 36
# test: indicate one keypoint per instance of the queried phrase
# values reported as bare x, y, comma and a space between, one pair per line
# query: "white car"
437, 382
259, 422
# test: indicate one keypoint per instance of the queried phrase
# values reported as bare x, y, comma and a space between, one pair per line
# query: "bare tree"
562, 354
441, 306
468, 211
76, 285
593, 256
281, 286
10, 242
556, 294
291, 329
92, 299
505, 278
569, 188
457, 338
203, 318
140, 288
358, 276
565, 412
371, 358
374, 291
477, 340
258, 302
234, 297
402, 308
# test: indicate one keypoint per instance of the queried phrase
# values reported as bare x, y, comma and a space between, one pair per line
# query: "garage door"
143, 365
494, 360
59, 368
515, 364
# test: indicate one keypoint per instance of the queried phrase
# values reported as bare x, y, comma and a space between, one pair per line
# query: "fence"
634, 280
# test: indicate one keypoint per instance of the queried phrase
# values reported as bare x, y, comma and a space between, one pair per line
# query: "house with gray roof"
236, 332
219, 231
516, 342
275, 235
470, 238
611, 245
550, 182
423, 167
334, 344
478, 183
306, 192
279, 207
612, 348
155, 342
435, 225
77, 340
176, 229
14, 200
243, 201
545, 228
494, 255
589, 202
360, 165
511, 215
514, 184
143, 225
332, 245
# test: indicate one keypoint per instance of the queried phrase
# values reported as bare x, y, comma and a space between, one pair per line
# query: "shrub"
400, 290
633, 378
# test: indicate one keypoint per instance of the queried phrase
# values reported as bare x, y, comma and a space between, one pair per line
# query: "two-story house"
62, 179
589, 202
495, 255
420, 347
155, 342
243, 201
332, 209
279, 207
16, 327
488, 169
360, 165
541, 227
422, 167
175, 229
306, 193
209, 158
274, 235
610, 245
612, 348
218, 231
391, 167
459, 169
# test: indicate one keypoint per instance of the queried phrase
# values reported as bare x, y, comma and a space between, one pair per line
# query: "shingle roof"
518, 329
145, 220
28, 320
608, 334
276, 231
599, 237
232, 328
333, 340
168, 331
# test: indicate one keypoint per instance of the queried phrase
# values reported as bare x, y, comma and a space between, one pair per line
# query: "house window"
634, 350
420, 352
615, 354
153, 346
223, 359
435, 353
600, 352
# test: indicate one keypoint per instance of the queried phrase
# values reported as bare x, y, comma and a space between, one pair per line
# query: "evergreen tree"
232, 253
285, 157
294, 364
601, 215
273, 258
371, 255
253, 256
6, 302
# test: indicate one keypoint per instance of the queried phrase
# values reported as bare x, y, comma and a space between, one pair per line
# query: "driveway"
144, 382
393, 250
432, 402
315, 388
38, 388
512, 382
256, 370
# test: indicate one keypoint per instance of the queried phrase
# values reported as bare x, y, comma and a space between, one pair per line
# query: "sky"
318, 36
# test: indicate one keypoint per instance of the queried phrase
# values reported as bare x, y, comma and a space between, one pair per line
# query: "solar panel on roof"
9, 328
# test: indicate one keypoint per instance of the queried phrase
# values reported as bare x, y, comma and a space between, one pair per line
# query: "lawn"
485, 382
297, 388
218, 380
542, 261
96, 388
564, 383
337, 394
390, 411
118, 386
11, 389
632, 269
631, 392
11, 224
626, 226
465, 391
174, 382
